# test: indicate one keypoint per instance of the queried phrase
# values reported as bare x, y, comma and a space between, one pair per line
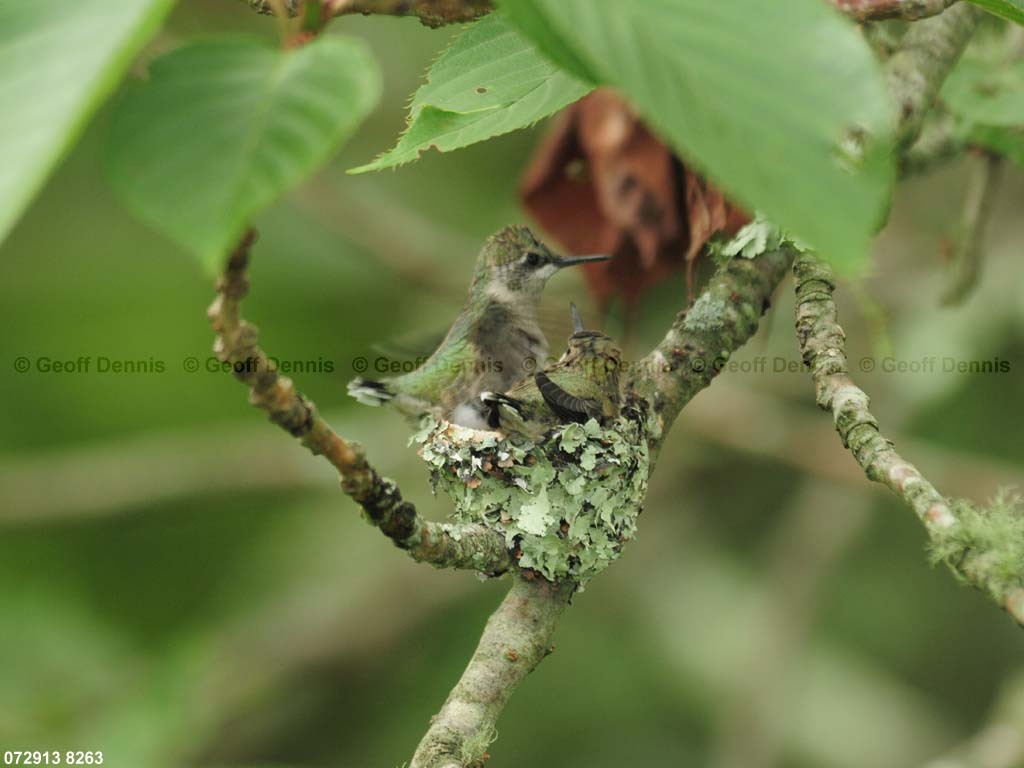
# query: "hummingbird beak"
577, 321
568, 261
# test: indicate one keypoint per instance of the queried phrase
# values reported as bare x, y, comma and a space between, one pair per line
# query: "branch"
445, 546
979, 202
940, 141
516, 639
963, 538
878, 10
432, 13
701, 339
917, 69
804, 549
1000, 742
437, 13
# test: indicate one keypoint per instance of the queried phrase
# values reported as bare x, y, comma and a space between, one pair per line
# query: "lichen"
986, 546
757, 237
706, 314
566, 505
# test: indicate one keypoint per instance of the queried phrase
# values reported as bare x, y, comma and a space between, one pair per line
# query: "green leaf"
989, 93
1008, 9
759, 95
223, 127
528, 17
58, 61
491, 81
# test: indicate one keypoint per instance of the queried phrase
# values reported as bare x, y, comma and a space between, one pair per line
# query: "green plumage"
492, 344
582, 385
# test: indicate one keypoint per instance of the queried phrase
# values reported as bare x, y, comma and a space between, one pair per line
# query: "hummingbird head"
514, 265
593, 349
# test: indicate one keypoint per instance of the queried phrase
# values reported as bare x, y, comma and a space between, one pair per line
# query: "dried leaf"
601, 182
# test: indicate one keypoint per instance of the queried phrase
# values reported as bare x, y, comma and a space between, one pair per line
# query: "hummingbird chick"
582, 385
492, 344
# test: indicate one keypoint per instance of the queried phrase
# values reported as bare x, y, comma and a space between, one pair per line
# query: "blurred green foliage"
183, 586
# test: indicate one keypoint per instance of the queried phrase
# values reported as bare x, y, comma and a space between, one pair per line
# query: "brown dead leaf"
601, 182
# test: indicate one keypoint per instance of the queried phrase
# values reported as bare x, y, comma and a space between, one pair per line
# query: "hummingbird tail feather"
369, 391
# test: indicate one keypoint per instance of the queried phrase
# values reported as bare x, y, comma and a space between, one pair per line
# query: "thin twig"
445, 546
823, 346
437, 13
806, 547
432, 13
940, 142
979, 201
1000, 742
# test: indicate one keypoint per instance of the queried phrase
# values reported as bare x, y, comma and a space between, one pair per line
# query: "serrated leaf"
58, 61
491, 81
525, 15
1008, 9
223, 127
989, 93
760, 96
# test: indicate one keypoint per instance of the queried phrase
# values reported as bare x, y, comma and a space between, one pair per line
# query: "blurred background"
182, 585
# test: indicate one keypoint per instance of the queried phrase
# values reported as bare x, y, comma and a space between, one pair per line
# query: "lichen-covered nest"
566, 505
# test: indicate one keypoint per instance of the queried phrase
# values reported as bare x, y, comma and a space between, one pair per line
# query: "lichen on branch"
984, 548
700, 341
445, 546
516, 639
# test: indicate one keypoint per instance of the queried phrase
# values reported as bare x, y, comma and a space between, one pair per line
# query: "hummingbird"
582, 385
493, 343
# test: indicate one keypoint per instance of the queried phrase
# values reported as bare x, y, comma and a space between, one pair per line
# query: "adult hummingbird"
492, 344
582, 385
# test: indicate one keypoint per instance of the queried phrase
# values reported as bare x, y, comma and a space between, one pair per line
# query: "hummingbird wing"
438, 372
567, 406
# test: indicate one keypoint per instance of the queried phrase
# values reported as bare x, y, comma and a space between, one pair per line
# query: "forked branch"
445, 546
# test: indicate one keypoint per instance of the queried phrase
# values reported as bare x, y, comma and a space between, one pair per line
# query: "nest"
566, 504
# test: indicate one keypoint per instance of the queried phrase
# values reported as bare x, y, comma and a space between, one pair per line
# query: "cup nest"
565, 504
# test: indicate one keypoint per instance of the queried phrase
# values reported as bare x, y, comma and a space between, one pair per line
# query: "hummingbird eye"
533, 259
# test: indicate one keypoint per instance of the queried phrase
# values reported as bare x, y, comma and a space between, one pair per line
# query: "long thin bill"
568, 261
